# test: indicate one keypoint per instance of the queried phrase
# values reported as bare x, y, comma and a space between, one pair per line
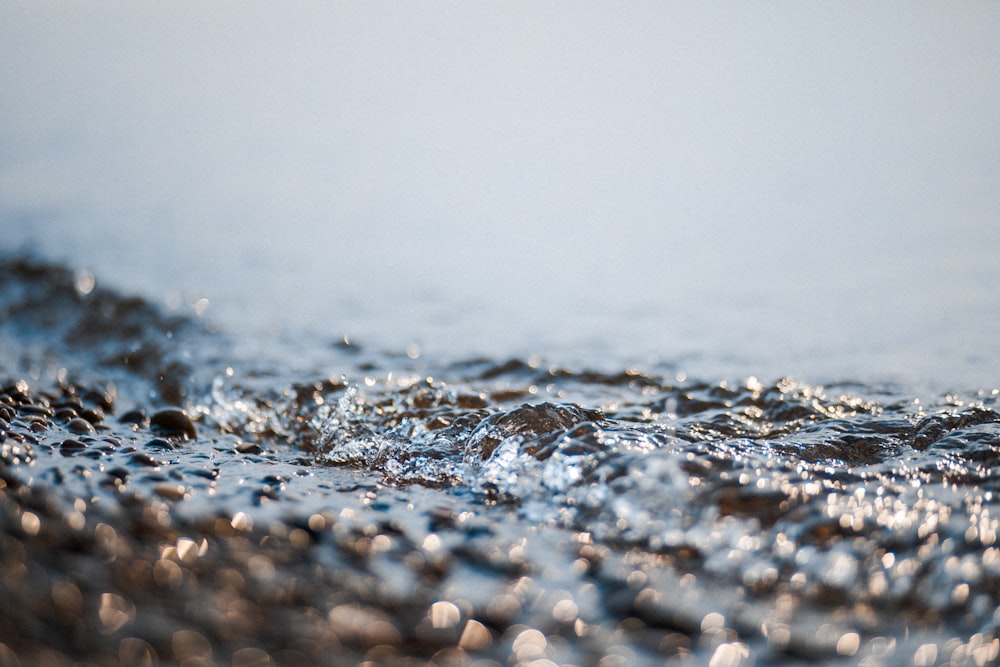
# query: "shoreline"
498, 513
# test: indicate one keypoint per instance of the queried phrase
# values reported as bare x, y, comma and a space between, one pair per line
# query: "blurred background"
773, 188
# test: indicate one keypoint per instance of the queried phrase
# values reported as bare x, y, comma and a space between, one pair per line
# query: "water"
639, 515
614, 338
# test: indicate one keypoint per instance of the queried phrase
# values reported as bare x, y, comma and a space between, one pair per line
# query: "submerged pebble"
173, 422
72, 444
161, 444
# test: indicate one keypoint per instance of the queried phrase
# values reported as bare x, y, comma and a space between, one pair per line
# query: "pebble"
103, 399
135, 417
145, 460
39, 410
173, 422
37, 424
80, 426
160, 443
95, 416
66, 414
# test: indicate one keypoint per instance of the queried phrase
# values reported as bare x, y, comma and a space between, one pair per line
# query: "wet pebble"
173, 422
33, 409
69, 402
66, 414
102, 399
145, 460
135, 417
72, 444
80, 426
94, 416
38, 425
160, 443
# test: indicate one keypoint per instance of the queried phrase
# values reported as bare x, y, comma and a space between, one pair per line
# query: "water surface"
619, 336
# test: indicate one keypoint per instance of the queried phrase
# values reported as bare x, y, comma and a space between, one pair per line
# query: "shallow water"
504, 509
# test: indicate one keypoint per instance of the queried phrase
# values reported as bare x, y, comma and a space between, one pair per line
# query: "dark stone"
39, 410
160, 443
173, 422
136, 417
80, 426
66, 414
95, 416
68, 403
102, 399
145, 460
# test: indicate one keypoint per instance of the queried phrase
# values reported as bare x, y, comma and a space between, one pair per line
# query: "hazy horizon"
714, 179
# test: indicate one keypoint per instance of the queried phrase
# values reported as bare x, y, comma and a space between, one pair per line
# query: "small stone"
103, 399
135, 417
95, 416
69, 401
173, 422
145, 460
39, 410
72, 443
66, 414
80, 426
160, 443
